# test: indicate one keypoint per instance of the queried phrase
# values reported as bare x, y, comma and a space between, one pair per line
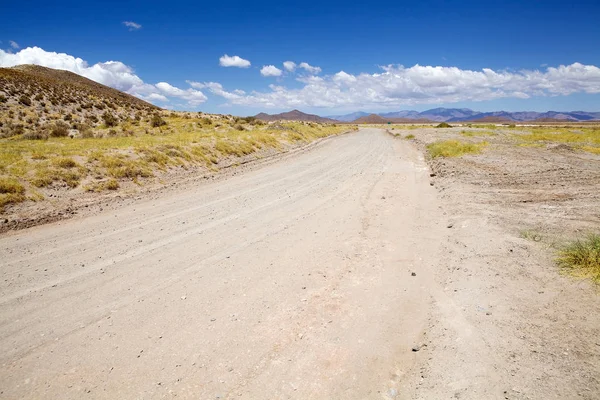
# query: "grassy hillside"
61, 133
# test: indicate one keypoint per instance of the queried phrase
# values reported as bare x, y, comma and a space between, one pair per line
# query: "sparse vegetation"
584, 138
473, 133
70, 132
453, 148
581, 258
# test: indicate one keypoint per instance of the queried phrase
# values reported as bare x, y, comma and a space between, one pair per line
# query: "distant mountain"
348, 117
401, 114
465, 114
378, 119
293, 115
447, 114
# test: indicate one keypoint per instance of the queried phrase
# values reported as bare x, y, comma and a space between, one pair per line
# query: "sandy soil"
344, 272
508, 324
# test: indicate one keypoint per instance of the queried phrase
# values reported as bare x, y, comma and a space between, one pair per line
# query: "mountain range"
466, 114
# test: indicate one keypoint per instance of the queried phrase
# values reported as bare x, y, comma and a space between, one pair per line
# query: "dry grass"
582, 258
454, 148
11, 191
185, 141
583, 138
477, 133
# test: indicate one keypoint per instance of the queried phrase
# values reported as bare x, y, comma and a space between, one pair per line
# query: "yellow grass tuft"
582, 258
454, 148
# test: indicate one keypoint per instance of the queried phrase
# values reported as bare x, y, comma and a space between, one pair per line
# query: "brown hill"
33, 97
293, 115
372, 119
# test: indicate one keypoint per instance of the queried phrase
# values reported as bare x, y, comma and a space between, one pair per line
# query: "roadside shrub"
10, 185
109, 119
156, 121
582, 258
59, 129
444, 125
11, 191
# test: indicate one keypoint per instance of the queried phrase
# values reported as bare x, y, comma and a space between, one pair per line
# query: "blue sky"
377, 45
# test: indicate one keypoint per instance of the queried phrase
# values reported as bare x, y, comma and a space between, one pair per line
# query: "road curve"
290, 281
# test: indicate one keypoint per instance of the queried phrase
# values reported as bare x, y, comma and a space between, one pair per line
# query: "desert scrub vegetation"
11, 191
454, 148
581, 258
135, 152
474, 133
583, 138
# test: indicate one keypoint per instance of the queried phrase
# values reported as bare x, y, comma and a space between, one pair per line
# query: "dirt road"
291, 281
337, 273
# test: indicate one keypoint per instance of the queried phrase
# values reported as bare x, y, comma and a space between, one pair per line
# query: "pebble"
413, 274
450, 225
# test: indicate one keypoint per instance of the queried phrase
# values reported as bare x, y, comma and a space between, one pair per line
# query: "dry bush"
25, 100
109, 119
156, 121
36, 134
59, 129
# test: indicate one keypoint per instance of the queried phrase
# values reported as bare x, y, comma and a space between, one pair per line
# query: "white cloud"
110, 73
289, 66
133, 26
309, 68
235, 61
13, 44
217, 88
157, 97
193, 97
396, 85
270, 70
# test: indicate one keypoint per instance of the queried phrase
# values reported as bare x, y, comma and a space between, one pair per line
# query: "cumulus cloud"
270, 70
309, 68
133, 26
193, 97
13, 44
217, 89
289, 66
110, 73
396, 85
235, 61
